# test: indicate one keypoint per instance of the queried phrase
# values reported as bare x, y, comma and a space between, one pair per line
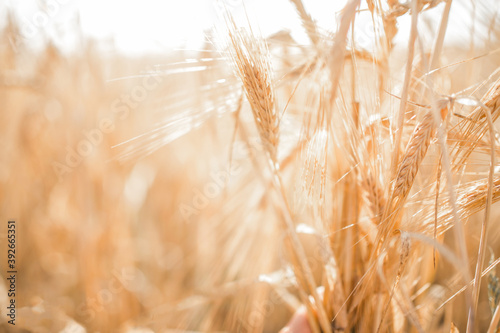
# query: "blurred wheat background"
347, 165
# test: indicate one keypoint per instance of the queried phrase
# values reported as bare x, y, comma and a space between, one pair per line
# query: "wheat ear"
413, 156
375, 196
253, 66
475, 127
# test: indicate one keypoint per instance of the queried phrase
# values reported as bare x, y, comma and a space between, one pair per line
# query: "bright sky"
138, 26
150, 25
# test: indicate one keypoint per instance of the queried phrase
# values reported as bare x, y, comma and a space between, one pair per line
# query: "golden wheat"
282, 182
414, 154
253, 66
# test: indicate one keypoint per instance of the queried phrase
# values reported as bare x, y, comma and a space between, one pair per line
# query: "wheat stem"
484, 226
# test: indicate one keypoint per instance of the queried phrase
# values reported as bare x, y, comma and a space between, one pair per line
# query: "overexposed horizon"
149, 26
156, 27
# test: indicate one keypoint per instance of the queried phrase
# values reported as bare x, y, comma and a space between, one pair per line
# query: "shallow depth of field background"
108, 182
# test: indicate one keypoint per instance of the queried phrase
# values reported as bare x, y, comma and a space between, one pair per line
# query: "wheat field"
352, 178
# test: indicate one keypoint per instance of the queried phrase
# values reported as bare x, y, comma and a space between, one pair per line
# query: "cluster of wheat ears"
379, 223
356, 180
